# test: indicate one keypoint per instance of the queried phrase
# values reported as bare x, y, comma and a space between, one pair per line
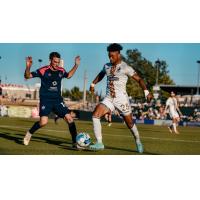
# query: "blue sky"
181, 59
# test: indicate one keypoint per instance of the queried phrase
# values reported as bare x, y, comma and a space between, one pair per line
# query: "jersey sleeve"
129, 71
168, 102
103, 69
65, 74
36, 73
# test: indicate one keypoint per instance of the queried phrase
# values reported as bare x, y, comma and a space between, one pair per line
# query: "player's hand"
92, 89
77, 60
149, 97
29, 62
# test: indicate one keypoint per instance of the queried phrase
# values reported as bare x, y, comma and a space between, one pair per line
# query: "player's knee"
129, 125
43, 123
68, 118
96, 115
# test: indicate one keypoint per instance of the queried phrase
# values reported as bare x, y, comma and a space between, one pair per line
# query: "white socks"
135, 133
174, 126
98, 133
97, 129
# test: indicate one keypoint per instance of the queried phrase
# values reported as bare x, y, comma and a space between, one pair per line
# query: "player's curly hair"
54, 54
114, 47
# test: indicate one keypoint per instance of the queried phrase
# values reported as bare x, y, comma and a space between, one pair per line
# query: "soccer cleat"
56, 120
170, 129
139, 147
110, 124
97, 146
75, 146
27, 138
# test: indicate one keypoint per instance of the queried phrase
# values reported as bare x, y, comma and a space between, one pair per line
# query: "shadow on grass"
62, 143
18, 138
130, 150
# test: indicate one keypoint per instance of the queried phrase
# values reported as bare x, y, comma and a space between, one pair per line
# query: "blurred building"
17, 91
187, 95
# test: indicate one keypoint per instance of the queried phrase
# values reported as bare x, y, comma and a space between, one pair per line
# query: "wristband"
92, 85
146, 93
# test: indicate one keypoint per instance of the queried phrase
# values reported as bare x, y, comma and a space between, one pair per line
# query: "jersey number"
124, 107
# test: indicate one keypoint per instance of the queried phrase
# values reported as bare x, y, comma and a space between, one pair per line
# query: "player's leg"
62, 111
170, 127
175, 124
37, 125
99, 111
109, 119
131, 125
56, 119
72, 128
123, 106
45, 109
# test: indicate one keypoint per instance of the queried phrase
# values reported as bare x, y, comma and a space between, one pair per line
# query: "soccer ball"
83, 139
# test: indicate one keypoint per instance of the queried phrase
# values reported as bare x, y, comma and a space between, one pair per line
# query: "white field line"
117, 135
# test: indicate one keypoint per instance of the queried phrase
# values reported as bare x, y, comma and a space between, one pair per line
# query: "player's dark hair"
54, 54
114, 47
173, 92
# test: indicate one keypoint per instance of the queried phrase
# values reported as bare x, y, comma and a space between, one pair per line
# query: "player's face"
55, 62
114, 57
173, 94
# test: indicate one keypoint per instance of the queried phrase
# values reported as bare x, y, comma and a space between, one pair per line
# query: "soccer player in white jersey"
174, 111
117, 73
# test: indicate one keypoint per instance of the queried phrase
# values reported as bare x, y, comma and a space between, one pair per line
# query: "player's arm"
27, 73
74, 68
140, 81
98, 78
177, 108
166, 108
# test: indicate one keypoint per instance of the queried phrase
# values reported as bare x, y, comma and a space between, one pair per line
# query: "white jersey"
117, 78
116, 95
172, 103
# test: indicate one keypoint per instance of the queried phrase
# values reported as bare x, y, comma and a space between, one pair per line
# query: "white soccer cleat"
169, 128
110, 124
27, 138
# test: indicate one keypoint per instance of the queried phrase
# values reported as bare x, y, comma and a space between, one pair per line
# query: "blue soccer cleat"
139, 147
97, 146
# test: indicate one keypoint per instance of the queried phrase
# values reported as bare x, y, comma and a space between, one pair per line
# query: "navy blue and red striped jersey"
50, 81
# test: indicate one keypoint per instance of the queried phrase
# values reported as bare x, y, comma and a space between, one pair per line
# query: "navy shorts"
57, 106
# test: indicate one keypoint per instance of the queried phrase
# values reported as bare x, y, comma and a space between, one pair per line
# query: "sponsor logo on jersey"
118, 70
53, 89
54, 83
60, 75
113, 78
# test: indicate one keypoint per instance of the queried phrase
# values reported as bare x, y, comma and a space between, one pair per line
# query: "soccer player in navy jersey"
50, 93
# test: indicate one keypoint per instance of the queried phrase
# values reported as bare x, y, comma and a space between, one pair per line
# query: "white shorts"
120, 103
174, 114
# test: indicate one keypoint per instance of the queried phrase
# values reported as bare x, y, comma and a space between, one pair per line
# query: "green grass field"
55, 139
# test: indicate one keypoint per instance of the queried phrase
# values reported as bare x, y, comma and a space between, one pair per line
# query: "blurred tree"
147, 71
66, 93
76, 94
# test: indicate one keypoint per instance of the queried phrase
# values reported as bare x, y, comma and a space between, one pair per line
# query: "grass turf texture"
55, 139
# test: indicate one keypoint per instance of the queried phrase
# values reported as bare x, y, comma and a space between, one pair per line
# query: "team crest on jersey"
54, 83
118, 70
60, 75
49, 74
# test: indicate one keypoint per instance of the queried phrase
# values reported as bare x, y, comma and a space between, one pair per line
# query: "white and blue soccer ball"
83, 139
